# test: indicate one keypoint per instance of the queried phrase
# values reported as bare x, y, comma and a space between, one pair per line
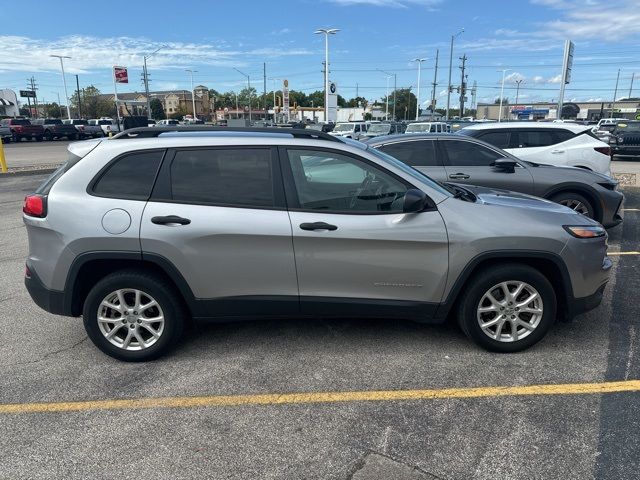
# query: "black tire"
563, 197
164, 294
15, 138
39, 138
47, 136
473, 292
75, 136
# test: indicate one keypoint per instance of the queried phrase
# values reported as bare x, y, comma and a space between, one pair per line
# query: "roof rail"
153, 132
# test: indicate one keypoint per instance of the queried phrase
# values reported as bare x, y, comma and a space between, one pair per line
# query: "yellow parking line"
623, 253
324, 397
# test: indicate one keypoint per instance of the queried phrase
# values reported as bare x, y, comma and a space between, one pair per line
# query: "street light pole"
518, 82
64, 81
146, 78
615, 94
502, 93
249, 87
326, 32
446, 117
193, 94
419, 60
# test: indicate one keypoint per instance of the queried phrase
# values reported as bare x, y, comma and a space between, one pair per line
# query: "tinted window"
563, 135
131, 176
415, 154
20, 121
461, 153
332, 182
534, 138
242, 177
498, 139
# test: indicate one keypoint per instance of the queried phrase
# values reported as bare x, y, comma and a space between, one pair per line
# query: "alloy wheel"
576, 205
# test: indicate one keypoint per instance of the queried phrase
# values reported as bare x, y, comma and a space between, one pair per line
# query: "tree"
51, 110
157, 110
317, 98
94, 105
357, 102
405, 103
243, 97
505, 101
180, 112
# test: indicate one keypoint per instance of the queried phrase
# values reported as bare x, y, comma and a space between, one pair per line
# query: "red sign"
120, 74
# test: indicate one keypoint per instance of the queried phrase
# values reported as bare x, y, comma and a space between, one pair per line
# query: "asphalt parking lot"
220, 406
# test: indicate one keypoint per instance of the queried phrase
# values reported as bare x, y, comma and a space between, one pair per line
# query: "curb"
24, 173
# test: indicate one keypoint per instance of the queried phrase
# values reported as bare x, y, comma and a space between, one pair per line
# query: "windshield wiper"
462, 193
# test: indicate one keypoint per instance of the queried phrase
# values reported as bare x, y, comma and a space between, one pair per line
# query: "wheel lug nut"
139, 321
513, 316
124, 320
132, 326
517, 309
504, 316
135, 313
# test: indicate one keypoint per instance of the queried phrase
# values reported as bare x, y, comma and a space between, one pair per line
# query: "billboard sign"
120, 75
285, 96
27, 94
332, 103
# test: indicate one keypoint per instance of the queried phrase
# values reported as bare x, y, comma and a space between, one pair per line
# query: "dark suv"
22, 128
54, 128
624, 139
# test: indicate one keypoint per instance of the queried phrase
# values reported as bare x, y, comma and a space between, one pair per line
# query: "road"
46, 154
338, 435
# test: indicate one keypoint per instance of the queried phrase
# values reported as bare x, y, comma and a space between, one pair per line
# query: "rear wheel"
507, 308
576, 202
39, 138
133, 316
15, 138
48, 136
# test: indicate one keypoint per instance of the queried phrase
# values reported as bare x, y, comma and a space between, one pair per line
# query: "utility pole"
264, 88
193, 94
395, 88
434, 84
79, 97
474, 104
463, 84
356, 89
33, 87
631, 86
446, 117
145, 77
502, 92
518, 82
615, 94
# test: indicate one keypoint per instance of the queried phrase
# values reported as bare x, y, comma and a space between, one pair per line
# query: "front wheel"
576, 202
133, 316
47, 136
507, 308
15, 138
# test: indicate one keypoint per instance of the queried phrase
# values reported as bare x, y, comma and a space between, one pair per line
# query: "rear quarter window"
45, 188
129, 177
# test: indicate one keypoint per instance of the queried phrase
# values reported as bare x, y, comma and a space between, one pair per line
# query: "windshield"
343, 127
105, 122
380, 128
418, 127
80, 122
628, 127
410, 171
53, 121
20, 121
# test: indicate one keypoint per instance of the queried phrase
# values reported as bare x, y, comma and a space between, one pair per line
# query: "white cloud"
537, 80
388, 3
514, 77
282, 31
556, 79
21, 53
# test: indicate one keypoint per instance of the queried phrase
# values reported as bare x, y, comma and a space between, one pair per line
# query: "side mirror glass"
414, 201
505, 165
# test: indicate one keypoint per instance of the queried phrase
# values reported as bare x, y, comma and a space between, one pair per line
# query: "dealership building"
592, 111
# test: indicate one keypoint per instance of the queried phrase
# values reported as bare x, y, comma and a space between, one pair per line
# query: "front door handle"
557, 151
169, 219
318, 226
458, 176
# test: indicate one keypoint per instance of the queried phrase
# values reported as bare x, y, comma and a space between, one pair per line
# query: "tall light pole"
395, 87
249, 87
64, 81
386, 111
446, 116
326, 32
146, 78
193, 94
615, 94
419, 60
518, 82
502, 92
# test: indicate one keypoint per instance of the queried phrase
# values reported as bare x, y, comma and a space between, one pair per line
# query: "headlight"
585, 231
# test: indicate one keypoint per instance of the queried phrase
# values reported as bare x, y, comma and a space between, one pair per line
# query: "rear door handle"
318, 226
557, 151
169, 219
458, 176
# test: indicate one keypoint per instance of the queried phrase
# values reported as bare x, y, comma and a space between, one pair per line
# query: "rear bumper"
51, 301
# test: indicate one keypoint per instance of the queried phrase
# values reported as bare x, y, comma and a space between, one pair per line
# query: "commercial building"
592, 111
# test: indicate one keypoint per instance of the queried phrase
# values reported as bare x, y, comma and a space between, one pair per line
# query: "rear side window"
563, 135
242, 177
461, 153
45, 188
498, 139
130, 177
415, 154
535, 138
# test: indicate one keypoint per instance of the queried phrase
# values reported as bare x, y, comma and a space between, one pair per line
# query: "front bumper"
576, 306
625, 150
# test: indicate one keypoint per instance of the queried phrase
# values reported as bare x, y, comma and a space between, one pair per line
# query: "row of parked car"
18, 129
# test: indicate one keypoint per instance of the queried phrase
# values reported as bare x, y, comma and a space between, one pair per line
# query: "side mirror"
505, 165
414, 201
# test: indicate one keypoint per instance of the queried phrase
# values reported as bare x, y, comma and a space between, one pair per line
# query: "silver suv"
143, 231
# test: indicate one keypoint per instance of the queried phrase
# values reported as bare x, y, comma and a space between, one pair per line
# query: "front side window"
239, 177
332, 182
469, 154
131, 176
415, 154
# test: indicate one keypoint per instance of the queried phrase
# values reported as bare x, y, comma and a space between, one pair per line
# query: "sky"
376, 38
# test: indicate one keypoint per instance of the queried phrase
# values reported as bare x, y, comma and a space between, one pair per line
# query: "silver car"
140, 232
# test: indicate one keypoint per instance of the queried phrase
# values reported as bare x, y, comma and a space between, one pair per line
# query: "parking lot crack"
47, 355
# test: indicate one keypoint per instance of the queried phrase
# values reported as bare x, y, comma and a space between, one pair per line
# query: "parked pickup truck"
108, 125
84, 129
624, 139
54, 128
21, 128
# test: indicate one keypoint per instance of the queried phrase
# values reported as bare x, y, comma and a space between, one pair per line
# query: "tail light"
35, 206
603, 150
27, 272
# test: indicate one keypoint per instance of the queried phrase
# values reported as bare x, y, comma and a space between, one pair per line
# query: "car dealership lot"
49, 359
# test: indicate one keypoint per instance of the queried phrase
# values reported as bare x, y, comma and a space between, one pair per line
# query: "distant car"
385, 128
150, 122
22, 128
167, 121
5, 133
624, 139
458, 159
84, 129
54, 128
349, 130
108, 125
428, 127
560, 144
